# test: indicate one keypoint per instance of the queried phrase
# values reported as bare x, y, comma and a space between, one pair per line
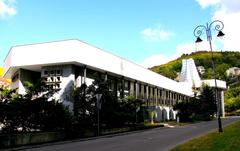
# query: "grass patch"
229, 140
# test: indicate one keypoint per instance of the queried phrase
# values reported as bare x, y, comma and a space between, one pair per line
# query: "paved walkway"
158, 139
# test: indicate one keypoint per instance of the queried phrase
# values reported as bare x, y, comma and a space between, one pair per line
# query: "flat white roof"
211, 82
34, 56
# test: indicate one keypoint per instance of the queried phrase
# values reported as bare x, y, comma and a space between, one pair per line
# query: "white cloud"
227, 11
156, 59
7, 8
156, 34
206, 3
230, 17
184, 48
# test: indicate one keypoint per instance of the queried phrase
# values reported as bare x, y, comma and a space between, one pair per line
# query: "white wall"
77, 52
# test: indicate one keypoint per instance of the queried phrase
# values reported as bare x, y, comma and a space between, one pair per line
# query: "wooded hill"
223, 61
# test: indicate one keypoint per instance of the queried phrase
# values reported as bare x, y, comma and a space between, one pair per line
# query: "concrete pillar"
222, 104
151, 95
147, 95
84, 74
164, 97
161, 97
170, 98
136, 90
122, 88
156, 96
132, 91
115, 87
106, 77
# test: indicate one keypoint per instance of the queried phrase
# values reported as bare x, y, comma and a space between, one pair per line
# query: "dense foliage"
232, 98
36, 111
203, 107
31, 112
113, 112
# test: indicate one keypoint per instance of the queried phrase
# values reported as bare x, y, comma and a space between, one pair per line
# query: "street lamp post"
216, 25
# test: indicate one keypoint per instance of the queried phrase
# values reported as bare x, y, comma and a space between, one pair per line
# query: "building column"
122, 88
161, 97
84, 74
136, 90
147, 95
105, 77
150, 95
132, 91
156, 96
170, 98
115, 81
222, 104
164, 97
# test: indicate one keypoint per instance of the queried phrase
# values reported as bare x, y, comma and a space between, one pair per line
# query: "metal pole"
98, 130
216, 97
197, 33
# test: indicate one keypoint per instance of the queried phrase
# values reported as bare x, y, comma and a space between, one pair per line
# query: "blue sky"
148, 32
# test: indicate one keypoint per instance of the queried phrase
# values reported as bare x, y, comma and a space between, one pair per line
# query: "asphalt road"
158, 139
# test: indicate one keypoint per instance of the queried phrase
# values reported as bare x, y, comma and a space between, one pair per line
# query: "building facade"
68, 64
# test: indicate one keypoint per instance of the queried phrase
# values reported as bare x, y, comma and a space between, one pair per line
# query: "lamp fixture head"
220, 34
198, 40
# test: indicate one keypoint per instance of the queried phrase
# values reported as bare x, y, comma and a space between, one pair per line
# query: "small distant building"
201, 69
178, 77
233, 71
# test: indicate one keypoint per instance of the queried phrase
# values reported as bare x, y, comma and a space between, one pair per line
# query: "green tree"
221, 69
27, 113
7, 94
83, 109
110, 107
129, 109
187, 109
207, 106
201, 108
232, 98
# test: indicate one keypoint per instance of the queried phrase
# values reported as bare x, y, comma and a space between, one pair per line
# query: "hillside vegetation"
223, 61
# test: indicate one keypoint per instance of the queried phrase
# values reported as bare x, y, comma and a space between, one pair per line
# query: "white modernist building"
189, 77
70, 63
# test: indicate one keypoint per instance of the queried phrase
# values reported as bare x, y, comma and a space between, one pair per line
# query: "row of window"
53, 78
142, 91
54, 72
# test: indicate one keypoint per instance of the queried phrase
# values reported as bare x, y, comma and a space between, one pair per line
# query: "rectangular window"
58, 72
52, 72
45, 73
